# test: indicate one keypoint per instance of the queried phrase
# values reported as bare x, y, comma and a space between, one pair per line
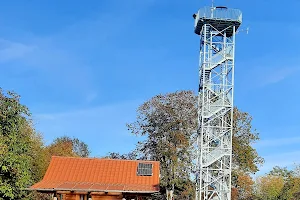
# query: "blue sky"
84, 68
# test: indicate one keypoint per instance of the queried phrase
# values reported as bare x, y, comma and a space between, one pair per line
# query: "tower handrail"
217, 13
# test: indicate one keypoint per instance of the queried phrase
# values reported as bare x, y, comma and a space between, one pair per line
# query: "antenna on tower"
244, 30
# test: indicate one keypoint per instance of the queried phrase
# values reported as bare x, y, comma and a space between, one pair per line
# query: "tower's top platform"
219, 17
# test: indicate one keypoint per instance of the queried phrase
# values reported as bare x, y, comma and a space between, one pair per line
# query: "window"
144, 169
84, 197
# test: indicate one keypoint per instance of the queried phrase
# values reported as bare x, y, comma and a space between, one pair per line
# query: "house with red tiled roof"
69, 178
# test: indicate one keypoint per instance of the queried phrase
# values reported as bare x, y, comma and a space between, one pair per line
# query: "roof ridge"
95, 158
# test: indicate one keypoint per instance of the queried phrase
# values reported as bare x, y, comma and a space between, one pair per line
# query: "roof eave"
87, 190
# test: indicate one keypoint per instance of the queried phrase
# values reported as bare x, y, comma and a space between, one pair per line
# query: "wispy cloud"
278, 142
103, 128
267, 70
10, 51
75, 57
287, 159
281, 152
278, 75
91, 96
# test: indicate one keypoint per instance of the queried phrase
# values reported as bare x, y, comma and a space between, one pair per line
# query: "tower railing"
220, 14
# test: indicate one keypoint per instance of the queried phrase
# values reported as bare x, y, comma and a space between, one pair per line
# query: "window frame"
144, 169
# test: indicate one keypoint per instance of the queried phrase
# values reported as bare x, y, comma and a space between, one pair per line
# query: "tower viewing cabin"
217, 27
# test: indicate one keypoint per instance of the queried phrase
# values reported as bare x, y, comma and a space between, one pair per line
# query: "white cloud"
10, 50
272, 69
287, 159
278, 142
278, 75
70, 58
91, 96
281, 152
103, 128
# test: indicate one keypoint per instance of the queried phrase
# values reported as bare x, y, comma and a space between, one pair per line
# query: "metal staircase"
214, 156
220, 57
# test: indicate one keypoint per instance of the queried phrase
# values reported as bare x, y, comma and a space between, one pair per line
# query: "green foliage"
291, 189
245, 158
17, 141
282, 172
270, 187
168, 121
280, 184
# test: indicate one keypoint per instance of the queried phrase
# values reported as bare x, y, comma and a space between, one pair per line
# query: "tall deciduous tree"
169, 123
19, 144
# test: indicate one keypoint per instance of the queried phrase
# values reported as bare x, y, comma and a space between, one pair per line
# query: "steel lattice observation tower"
216, 27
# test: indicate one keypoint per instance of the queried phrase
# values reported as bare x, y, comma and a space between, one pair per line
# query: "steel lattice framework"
217, 27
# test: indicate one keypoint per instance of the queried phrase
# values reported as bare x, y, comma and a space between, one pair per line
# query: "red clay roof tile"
93, 174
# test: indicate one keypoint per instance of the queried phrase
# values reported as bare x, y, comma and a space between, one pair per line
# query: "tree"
19, 145
296, 171
295, 189
291, 189
245, 158
269, 187
281, 171
243, 188
66, 146
38, 166
291, 179
169, 123
280, 184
